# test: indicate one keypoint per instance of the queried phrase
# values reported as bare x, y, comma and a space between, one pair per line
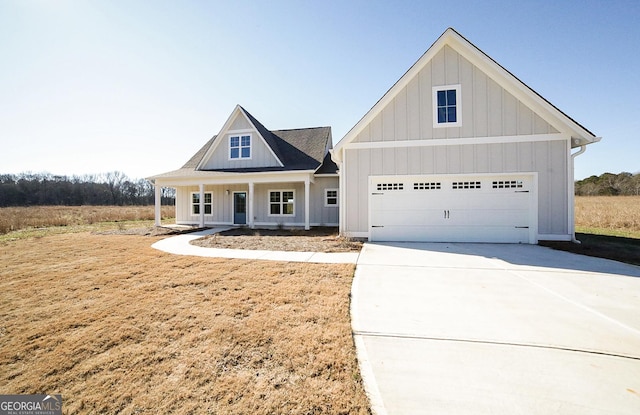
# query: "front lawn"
118, 327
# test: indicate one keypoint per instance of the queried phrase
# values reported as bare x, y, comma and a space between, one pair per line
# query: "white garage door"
453, 208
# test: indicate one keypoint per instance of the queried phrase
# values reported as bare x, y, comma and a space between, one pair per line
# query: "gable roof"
562, 122
263, 134
296, 149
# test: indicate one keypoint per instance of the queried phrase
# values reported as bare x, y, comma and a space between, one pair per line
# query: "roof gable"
453, 42
242, 122
294, 149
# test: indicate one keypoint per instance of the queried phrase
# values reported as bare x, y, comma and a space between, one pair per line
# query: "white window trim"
269, 203
240, 135
326, 198
198, 204
458, 122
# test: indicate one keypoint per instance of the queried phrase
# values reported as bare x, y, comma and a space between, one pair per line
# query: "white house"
248, 175
458, 150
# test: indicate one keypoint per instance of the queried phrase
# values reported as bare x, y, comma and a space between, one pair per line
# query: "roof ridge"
302, 128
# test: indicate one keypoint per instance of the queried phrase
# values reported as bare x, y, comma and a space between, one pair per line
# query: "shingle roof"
195, 159
328, 166
297, 149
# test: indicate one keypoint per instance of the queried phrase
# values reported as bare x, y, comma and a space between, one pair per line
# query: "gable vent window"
240, 147
447, 106
507, 184
390, 186
427, 186
466, 185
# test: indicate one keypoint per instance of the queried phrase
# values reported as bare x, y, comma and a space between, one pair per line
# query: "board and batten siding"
488, 110
222, 203
261, 155
548, 158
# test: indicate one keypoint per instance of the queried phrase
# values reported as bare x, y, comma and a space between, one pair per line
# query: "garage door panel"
490, 234
451, 209
490, 217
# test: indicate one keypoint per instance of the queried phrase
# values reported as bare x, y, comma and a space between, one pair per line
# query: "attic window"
447, 106
239, 147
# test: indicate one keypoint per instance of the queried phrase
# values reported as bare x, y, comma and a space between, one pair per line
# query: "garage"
453, 208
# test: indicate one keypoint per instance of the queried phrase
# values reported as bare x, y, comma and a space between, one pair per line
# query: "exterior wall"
548, 158
321, 215
487, 109
261, 156
222, 204
221, 209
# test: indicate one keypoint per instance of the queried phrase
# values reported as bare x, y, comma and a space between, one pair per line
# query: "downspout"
572, 207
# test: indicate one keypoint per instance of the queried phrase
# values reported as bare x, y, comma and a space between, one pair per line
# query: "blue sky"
139, 86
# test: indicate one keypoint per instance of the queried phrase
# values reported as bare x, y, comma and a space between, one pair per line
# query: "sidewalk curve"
181, 245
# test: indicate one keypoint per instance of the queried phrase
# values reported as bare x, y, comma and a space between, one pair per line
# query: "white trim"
295, 224
459, 141
356, 234
435, 91
553, 237
221, 178
251, 208
281, 191
337, 197
240, 147
233, 207
201, 204
307, 198
157, 211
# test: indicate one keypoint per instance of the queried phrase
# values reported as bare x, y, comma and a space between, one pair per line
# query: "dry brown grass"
117, 327
17, 218
614, 215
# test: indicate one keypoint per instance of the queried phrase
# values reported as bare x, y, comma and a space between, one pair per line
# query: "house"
460, 150
248, 175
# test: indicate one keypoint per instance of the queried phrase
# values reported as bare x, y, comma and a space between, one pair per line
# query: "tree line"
609, 184
113, 188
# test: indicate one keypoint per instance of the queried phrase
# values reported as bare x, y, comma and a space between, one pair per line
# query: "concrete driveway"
496, 329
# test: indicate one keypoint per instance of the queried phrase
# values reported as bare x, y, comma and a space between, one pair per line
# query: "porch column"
202, 205
158, 205
306, 204
250, 206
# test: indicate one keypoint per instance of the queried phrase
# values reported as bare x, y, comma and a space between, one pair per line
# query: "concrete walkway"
180, 245
496, 329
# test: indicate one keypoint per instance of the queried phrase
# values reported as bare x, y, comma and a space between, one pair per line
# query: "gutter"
583, 148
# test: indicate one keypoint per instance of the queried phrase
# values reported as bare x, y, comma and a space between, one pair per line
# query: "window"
507, 184
195, 203
466, 185
240, 147
330, 197
447, 106
427, 185
390, 186
281, 203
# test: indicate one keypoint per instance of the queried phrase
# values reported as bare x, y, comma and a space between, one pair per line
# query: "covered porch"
244, 199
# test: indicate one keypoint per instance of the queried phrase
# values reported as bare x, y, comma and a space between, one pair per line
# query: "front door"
239, 208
